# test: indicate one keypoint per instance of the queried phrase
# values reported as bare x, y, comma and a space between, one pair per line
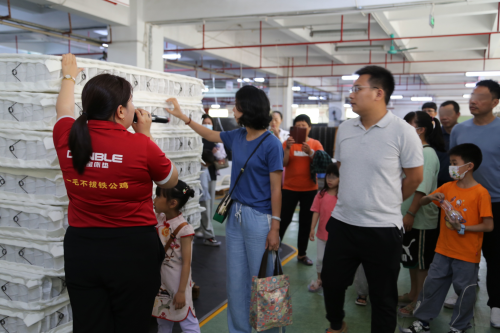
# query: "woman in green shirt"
421, 222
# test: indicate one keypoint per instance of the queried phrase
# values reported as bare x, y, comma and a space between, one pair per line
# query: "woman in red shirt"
111, 250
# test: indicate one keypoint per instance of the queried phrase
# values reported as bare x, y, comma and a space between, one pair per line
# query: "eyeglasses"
355, 89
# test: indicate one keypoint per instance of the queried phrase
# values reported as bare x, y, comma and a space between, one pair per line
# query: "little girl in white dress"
174, 302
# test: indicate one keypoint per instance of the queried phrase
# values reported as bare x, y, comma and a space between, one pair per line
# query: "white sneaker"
451, 301
198, 234
495, 317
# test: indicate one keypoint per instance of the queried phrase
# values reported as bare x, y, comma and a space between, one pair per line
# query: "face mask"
210, 127
455, 173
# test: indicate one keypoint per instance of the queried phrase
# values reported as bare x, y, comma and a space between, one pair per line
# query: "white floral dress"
171, 272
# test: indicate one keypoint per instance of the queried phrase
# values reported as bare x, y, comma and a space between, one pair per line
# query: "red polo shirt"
115, 189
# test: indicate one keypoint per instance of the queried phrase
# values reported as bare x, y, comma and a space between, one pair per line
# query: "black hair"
432, 126
302, 117
180, 192
207, 116
101, 96
331, 169
380, 78
281, 115
208, 157
492, 86
469, 152
430, 105
456, 107
254, 104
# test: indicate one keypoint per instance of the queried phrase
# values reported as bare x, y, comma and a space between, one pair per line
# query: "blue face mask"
210, 127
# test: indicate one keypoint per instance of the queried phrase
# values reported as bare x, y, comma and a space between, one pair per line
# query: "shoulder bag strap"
174, 235
243, 169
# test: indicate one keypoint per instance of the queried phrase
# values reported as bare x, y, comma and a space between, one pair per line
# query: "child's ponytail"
180, 192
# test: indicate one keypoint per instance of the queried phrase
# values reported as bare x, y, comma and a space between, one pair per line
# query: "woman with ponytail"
112, 252
421, 222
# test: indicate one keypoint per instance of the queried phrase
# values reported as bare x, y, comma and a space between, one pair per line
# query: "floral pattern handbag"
271, 301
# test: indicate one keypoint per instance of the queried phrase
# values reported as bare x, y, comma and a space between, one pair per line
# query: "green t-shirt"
427, 217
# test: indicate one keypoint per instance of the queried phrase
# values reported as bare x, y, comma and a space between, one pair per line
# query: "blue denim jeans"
246, 235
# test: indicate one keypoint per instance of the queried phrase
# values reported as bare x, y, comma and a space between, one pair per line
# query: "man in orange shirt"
299, 186
458, 250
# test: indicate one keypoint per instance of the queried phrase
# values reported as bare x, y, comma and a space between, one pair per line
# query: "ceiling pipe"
331, 42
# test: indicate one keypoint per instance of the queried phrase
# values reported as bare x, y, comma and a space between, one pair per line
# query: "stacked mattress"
33, 200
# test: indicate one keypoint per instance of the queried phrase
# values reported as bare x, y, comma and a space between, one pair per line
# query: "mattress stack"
33, 199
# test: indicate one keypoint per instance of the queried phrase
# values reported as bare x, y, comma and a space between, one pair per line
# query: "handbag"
224, 206
221, 164
271, 301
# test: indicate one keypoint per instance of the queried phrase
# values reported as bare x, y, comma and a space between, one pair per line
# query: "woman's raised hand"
176, 111
144, 121
69, 65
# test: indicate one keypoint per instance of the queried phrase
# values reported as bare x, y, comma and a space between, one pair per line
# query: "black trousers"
491, 252
113, 276
289, 200
379, 250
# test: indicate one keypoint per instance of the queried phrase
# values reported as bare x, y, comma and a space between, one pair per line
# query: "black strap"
278, 270
243, 169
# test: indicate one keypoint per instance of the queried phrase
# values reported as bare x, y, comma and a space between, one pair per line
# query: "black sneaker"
416, 327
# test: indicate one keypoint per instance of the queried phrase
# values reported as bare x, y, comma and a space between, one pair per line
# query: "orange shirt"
474, 204
298, 170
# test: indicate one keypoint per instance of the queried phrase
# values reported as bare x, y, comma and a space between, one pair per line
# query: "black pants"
113, 276
491, 252
289, 200
379, 250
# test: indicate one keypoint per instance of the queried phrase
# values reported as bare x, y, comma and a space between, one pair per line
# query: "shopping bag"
271, 302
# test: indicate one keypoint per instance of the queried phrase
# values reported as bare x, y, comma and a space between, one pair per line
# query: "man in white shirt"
372, 151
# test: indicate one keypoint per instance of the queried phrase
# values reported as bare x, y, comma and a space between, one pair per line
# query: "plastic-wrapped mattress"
37, 111
42, 73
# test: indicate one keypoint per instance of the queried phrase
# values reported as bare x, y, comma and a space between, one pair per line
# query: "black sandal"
305, 260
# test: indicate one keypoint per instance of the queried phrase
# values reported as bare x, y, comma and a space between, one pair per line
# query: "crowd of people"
367, 219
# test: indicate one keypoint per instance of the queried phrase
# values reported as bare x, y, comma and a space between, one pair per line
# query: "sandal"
361, 300
407, 311
305, 260
315, 286
343, 329
404, 299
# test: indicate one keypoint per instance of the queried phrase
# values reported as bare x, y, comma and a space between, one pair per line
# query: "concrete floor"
309, 311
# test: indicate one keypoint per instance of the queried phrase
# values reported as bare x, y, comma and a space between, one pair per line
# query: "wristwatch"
69, 77
462, 230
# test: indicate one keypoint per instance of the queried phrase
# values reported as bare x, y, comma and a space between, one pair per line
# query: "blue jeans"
246, 235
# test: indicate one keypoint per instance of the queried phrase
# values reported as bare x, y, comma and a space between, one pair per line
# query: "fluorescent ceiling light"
466, 95
259, 79
322, 97
313, 98
336, 31
295, 105
360, 48
471, 84
492, 73
396, 96
347, 105
205, 89
102, 32
215, 106
353, 77
296, 88
247, 80
172, 56
105, 45
421, 99
239, 80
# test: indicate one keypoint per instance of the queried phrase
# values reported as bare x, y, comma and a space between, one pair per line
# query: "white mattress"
37, 111
42, 73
